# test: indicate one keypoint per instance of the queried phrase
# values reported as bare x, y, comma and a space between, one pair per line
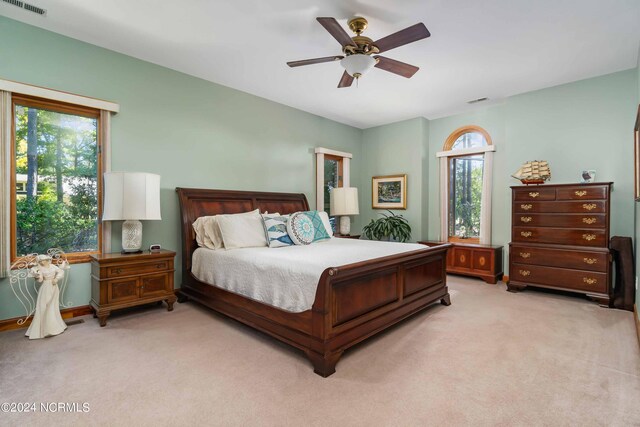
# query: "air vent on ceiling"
27, 6
475, 101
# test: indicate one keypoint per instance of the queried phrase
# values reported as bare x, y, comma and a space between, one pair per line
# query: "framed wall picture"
636, 157
389, 192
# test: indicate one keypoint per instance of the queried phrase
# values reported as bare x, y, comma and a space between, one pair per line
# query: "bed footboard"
356, 301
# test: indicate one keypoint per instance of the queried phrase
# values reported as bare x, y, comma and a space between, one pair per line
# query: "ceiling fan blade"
314, 61
402, 37
346, 80
396, 67
338, 33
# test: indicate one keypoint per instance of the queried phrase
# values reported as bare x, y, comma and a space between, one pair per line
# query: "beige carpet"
491, 358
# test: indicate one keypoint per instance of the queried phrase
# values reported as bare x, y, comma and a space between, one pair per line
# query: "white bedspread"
286, 277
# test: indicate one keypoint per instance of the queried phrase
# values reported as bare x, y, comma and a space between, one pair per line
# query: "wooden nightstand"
347, 236
121, 281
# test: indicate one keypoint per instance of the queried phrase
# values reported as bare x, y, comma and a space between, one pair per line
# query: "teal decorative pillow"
300, 229
275, 230
321, 232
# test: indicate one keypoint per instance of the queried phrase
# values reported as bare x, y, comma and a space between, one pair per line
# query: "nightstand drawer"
122, 290
140, 268
154, 284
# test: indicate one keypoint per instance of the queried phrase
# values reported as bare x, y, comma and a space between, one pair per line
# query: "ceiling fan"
360, 52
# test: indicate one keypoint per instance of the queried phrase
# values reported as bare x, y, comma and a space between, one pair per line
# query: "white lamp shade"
344, 201
357, 64
131, 196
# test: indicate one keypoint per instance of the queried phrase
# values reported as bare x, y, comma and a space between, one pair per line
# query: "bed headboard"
195, 202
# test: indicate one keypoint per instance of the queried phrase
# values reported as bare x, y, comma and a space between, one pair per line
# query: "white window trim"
56, 95
487, 186
346, 172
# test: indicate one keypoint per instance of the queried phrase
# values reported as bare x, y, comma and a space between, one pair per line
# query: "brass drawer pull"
589, 237
580, 193
534, 194
117, 271
525, 233
590, 261
525, 207
525, 255
589, 206
589, 220
525, 218
589, 280
159, 265
524, 272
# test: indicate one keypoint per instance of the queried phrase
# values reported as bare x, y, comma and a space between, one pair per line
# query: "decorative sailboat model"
533, 172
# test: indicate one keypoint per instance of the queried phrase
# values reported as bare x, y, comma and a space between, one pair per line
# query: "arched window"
466, 186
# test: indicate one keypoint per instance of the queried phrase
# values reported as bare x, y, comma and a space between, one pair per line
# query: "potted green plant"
390, 227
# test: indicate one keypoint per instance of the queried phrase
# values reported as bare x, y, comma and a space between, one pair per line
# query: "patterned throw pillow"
321, 232
275, 229
301, 229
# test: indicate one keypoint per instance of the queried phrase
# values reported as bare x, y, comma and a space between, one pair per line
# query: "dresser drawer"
587, 281
139, 268
582, 193
534, 194
582, 260
560, 220
560, 236
560, 207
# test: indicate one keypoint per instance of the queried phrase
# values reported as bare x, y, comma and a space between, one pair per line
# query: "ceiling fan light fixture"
358, 64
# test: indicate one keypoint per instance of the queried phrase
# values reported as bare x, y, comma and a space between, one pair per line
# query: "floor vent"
475, 101
27, 6
71, 322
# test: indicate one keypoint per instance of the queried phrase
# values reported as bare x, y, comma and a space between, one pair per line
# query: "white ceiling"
493, 48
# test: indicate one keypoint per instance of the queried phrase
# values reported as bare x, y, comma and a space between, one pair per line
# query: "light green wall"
576, 126
579, 125
199, 134
192, 132
397, 148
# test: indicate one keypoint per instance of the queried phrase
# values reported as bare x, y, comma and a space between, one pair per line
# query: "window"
332, 178
466, 186
56, 168
332, 168
465, 196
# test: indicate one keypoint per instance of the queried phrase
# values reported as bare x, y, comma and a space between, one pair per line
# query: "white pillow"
208, 232
243, 230
198, 227
212, 233
325, 221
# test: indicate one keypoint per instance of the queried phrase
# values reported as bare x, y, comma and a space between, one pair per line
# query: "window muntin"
465, 196
57, 170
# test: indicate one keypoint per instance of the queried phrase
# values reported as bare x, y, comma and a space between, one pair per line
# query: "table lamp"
131, 196
344, 202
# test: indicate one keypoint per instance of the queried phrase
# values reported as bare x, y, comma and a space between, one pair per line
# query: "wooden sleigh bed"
352, 303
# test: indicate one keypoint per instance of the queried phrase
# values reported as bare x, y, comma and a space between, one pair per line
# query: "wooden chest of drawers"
121, 281
560, 236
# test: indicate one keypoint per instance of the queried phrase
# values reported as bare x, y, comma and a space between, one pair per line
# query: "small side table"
347, 236
122, 281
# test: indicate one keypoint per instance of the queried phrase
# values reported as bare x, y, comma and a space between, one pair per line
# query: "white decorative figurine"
47, 319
